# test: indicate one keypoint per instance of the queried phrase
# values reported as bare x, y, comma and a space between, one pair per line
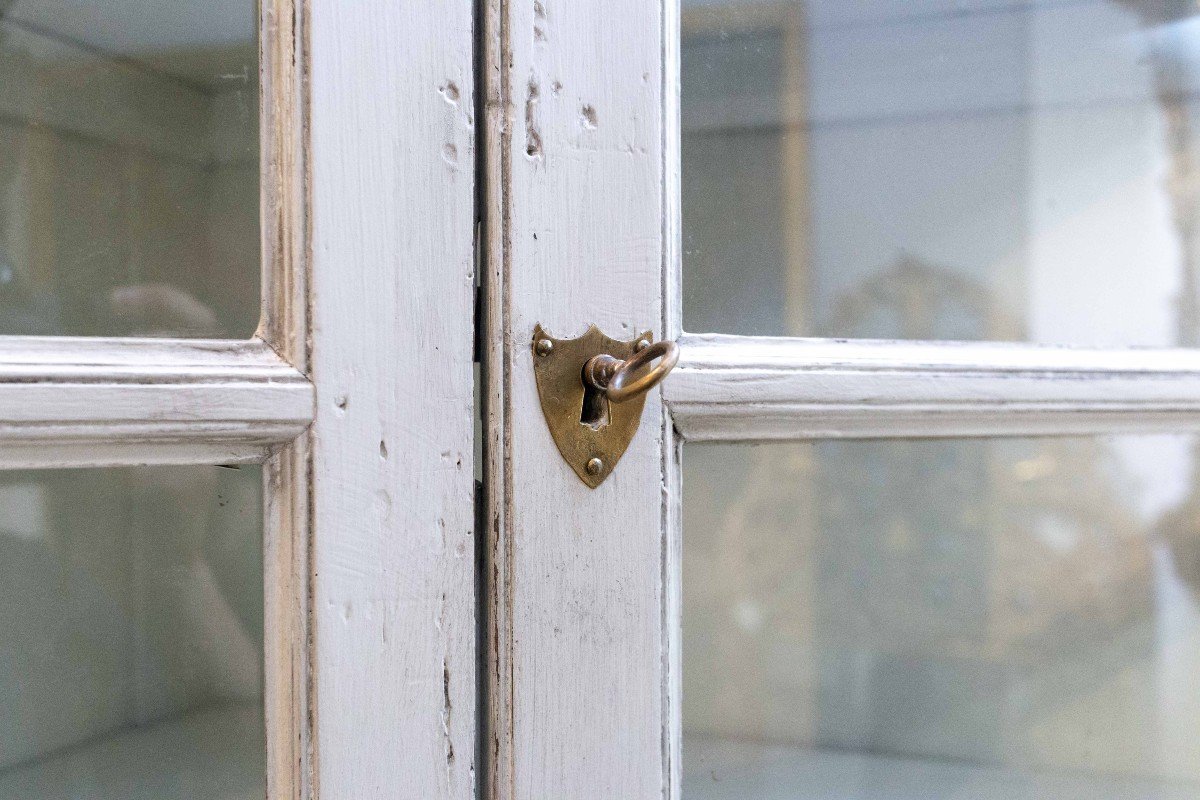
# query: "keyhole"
595, 407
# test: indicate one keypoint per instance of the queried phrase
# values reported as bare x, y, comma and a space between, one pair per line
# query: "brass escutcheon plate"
558, 368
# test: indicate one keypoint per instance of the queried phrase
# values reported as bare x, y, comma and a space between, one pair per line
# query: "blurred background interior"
957, 618
129, 158
131, 600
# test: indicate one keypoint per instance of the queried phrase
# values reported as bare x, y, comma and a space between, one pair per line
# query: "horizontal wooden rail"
68, 402
735, 388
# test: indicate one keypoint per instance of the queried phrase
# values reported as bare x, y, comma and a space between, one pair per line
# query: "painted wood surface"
289, 643
582, 204
90, 402
579, 690
392, 487
368, 294
731, 388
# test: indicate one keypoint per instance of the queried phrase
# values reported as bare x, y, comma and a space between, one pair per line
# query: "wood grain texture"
97, 402
392, 490
288, 524
732, 388
576, 151
285, 180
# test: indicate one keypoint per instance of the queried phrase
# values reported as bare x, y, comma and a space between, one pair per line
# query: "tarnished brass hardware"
624, 380
592, 391
599, 370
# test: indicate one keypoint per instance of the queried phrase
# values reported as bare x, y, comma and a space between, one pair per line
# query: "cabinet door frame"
356, 394
582, 146
582, 219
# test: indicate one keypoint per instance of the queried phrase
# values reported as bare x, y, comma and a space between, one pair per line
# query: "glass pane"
1017, 170
975, 619
131, 619
129, 167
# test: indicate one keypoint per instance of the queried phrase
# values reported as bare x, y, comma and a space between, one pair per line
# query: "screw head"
594, 466
643, 344
544, 346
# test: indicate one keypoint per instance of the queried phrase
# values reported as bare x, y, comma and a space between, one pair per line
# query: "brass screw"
643, 344
544, 346
594, 466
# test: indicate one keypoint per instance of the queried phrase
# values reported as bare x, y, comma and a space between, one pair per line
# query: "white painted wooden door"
157, 144
952, 568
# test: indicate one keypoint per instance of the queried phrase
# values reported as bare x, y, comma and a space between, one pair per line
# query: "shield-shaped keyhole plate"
593, 435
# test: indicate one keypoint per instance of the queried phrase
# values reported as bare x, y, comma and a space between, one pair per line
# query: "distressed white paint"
288, 533
579, 681
88, 402
392, 486
731, 388
583, 226
368, 299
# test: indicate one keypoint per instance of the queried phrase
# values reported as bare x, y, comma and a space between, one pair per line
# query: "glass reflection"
129, 168
991, 169
951, 619
131, 619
